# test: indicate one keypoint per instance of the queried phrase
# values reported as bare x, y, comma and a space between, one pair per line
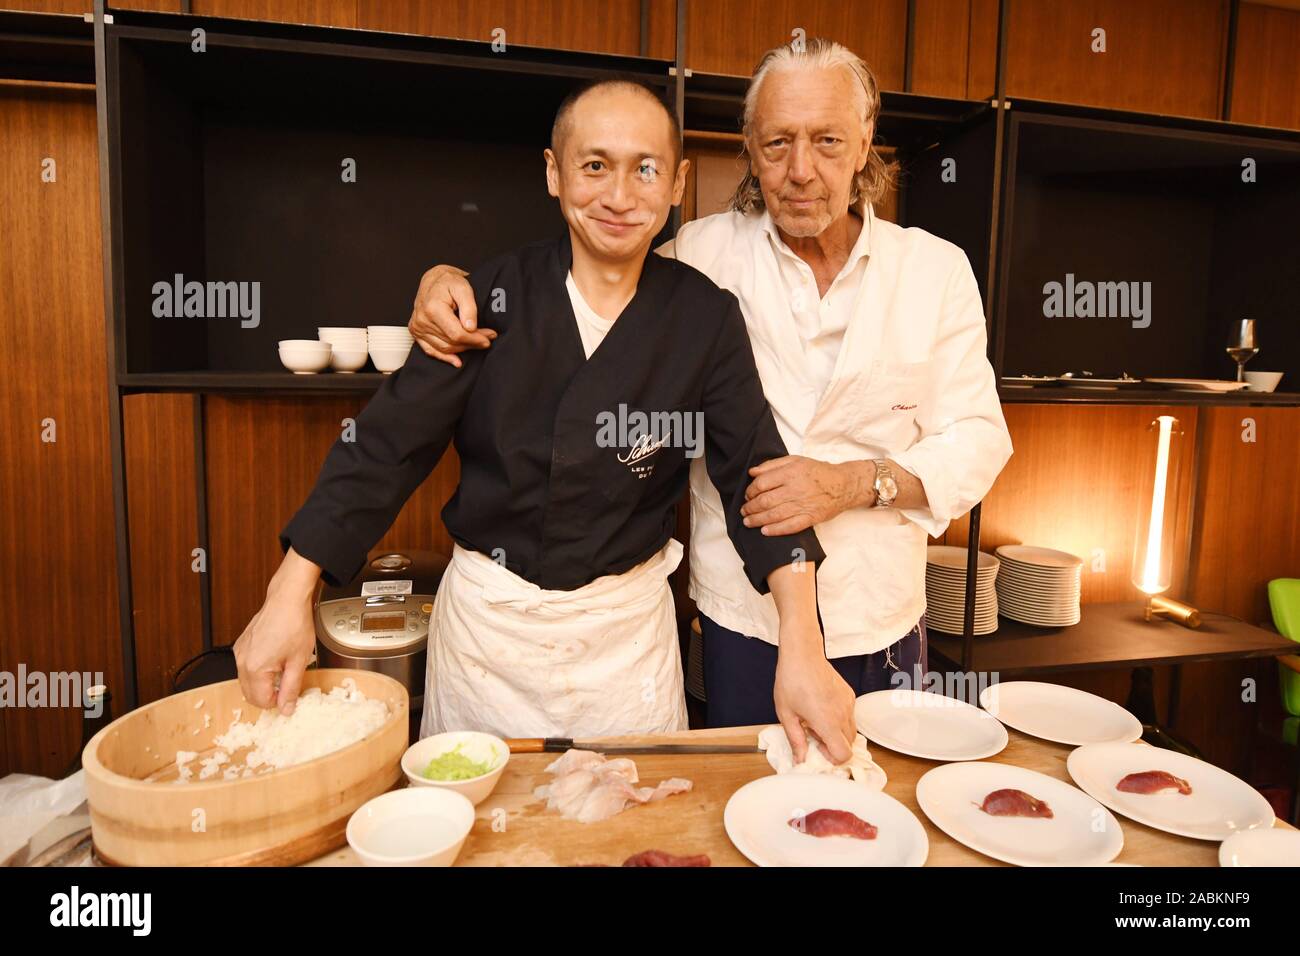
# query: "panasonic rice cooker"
379, 621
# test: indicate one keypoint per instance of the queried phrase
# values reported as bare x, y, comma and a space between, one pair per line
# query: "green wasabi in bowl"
454, 765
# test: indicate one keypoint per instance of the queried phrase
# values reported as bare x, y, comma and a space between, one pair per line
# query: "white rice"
320, 724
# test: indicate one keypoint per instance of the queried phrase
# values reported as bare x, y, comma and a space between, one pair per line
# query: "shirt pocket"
888, 403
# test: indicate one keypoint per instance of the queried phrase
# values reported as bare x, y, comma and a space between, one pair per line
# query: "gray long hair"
877, 176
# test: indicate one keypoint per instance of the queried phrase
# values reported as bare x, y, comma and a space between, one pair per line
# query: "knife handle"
538, 745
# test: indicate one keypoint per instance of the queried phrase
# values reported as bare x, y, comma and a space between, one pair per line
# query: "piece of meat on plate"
1153, 781
660, 858
1015, 803
828, 823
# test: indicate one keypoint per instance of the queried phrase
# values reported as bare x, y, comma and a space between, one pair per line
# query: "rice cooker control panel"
385, 615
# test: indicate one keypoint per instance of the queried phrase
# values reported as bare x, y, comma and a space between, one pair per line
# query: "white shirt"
910, 381
820, 319
591, 327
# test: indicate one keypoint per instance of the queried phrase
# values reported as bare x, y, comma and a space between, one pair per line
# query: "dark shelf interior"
229, 169
1105, 201
46, 47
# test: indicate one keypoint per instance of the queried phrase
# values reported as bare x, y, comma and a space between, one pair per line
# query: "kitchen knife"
540, 745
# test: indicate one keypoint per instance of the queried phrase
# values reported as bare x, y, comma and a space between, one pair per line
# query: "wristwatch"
885, 486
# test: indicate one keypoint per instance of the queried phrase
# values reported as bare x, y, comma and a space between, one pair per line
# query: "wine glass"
1242, 346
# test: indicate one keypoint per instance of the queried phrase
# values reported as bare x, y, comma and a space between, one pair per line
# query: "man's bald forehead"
563, 124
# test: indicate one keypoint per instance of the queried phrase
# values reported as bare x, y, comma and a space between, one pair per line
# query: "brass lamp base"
1177, 611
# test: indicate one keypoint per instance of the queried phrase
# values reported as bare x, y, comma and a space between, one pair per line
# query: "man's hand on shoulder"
444, 320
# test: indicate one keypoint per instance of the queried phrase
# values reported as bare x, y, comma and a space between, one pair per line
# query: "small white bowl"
1262, 381
347, 361
418, 826
474, 745
389, 359
305, 356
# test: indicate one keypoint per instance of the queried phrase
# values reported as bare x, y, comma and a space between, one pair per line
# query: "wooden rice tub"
140, 817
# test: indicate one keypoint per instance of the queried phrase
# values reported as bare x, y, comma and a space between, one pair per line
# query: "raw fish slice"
671, 786
1153, 781
588, 788
603, 801
827, 823
1015, 803
573, 759
623, 767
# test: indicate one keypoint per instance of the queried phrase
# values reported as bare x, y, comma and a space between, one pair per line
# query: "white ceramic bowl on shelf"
389, 358
347, 361
305, 356
1263, 381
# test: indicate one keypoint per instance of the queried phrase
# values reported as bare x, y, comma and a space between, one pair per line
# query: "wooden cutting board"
513, 828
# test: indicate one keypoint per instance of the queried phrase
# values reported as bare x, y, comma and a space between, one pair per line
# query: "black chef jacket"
537, 487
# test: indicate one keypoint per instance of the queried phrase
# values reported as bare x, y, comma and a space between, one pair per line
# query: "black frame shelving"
121, 51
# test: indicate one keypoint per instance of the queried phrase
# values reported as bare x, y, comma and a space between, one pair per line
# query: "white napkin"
860, 766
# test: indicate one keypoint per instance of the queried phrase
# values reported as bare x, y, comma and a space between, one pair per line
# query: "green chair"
1284, 602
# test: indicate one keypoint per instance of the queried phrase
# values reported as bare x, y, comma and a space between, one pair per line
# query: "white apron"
512, 659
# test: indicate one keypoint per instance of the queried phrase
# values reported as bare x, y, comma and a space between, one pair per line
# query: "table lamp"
1153, 558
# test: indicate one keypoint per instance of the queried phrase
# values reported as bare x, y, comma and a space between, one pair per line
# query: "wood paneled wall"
263, 455
58, 574
1266, 83
1162, 56
162, 511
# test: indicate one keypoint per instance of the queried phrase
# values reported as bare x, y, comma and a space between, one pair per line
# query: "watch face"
888, 489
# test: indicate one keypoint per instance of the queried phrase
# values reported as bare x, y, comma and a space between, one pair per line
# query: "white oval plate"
1218, 806
757, 819
930, 726
1081, 832
1060, 714
1264, 846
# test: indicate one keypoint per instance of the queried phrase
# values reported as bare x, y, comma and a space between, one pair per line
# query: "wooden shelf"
1111, 635
1050, 395
250, 382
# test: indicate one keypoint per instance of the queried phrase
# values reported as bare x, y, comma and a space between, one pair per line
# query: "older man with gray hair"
870, 342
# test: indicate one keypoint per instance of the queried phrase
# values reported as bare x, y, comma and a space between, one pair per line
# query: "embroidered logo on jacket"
639, 435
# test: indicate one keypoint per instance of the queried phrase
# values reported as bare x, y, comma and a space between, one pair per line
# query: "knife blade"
537, 745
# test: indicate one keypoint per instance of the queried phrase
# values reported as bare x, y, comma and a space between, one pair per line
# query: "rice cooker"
379, 621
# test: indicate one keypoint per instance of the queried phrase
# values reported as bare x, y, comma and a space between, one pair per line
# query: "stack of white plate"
945, 590
1038, 585
389, 346
349, 347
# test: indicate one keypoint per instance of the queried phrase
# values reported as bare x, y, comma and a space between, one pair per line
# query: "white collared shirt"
820, 319
909, 380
